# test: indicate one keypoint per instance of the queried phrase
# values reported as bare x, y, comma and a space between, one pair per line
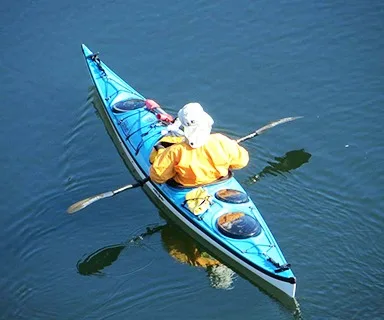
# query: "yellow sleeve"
163, 167
239, 156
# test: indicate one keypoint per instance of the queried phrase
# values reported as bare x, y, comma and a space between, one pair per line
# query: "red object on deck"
151, 104
160, 113
165, 117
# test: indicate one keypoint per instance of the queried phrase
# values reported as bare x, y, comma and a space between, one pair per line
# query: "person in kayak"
201, 157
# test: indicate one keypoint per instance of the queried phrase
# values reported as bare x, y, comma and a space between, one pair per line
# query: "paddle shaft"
266, 127
128, 186
86, 202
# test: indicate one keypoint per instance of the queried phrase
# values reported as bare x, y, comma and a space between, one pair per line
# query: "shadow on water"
290, 161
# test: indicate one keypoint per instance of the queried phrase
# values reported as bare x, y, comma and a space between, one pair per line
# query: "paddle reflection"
290, 161
178, 244
94, 263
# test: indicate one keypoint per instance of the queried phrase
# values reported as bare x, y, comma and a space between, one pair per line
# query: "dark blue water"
318, 181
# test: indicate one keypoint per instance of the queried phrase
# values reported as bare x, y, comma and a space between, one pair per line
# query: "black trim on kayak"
291, 280
95, 57
280, 267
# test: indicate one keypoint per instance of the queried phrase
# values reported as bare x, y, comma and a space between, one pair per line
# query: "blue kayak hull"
135, 129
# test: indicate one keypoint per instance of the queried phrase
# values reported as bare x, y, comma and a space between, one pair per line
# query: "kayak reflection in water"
179, 245
185, 250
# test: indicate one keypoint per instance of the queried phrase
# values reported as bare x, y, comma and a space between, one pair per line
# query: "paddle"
266, 127
86, 202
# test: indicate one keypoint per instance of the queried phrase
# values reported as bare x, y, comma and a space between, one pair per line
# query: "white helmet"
197, 124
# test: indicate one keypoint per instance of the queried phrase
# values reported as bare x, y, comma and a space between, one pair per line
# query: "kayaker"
201, 157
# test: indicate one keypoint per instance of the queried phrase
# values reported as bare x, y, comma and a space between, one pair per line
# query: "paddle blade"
275, 123
86, 202
266, 127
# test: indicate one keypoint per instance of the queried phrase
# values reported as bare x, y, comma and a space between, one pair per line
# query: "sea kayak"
232, 227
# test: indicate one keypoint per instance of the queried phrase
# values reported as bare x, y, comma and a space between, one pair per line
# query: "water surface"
317, 181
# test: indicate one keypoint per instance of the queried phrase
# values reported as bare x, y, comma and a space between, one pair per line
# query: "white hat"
197, 124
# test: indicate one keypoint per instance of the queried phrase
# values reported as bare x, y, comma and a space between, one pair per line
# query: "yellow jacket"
191, 167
